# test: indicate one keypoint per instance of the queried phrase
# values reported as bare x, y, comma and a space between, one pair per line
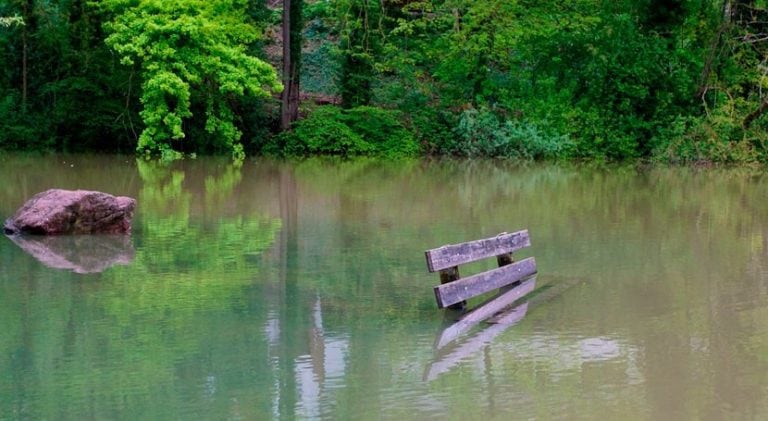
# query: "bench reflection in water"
468, 335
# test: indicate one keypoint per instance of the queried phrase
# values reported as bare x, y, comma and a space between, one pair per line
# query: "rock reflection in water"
78, 253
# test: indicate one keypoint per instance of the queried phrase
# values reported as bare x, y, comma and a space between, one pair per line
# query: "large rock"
56, 211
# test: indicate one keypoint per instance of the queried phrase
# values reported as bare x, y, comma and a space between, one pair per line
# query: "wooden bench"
453, 290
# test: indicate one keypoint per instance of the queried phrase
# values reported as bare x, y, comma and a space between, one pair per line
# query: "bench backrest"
458, 254
446, 260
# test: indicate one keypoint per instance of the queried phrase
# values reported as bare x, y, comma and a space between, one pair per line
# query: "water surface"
299, 290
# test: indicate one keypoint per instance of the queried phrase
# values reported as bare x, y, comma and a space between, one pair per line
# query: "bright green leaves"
192, 56
359, 131
461, 45
166, 100
11, 20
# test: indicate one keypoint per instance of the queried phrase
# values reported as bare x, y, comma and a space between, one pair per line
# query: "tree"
26, 7
57, 62
292, 40
361, 41
191, 56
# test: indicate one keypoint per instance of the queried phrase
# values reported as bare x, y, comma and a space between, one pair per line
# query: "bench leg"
505, 259
450, 275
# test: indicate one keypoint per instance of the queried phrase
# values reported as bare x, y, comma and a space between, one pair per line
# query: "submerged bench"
453, 290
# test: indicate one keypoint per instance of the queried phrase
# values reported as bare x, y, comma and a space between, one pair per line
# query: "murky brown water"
299, 290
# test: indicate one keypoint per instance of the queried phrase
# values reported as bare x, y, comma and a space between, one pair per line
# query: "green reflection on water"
136, 341
299, 290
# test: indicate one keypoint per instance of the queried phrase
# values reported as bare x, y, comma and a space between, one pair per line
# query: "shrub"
432, 129
383, 130
714, 138
482, 133
322, 133
20, 130
330, 130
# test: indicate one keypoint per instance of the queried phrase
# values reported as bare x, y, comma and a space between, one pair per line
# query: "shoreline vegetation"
650, 81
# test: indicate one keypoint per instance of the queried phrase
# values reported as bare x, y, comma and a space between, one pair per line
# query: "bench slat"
457, 254
462, 289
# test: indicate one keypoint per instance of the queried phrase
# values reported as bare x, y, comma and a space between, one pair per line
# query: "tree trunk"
24, 71
291, 29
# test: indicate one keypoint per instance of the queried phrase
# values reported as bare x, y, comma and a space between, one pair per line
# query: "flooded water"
299, 290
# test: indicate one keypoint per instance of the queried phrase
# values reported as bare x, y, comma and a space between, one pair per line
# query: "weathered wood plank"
462, 289
491, 307
457, 254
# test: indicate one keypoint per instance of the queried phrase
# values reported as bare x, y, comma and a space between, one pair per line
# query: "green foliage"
432, 128
382, 129
190, 54
15, 132
717, 137
11, 20
482, 133
361, 32
62, 88
322, 133
626, 91
675, 80
320, 68
605, 78
358, 131
732, 126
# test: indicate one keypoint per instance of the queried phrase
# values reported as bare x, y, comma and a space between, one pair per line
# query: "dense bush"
330, 130
716, 137
321, 133
15, 133
605, 78
482, 133
383, 130
432, 128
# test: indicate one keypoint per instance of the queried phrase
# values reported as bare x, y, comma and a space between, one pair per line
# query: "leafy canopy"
191, 55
